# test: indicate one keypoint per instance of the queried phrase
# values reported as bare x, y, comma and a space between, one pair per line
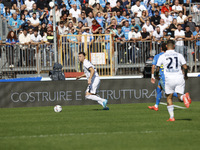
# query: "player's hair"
170, 44
83, 53
164, 47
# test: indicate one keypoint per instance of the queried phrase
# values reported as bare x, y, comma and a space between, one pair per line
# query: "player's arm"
185, 71
91, 74
83, 75
152, 74
156, 74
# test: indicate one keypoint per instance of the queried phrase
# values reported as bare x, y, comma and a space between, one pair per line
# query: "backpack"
57, 73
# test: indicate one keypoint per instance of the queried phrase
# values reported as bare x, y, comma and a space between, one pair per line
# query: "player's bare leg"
170, 107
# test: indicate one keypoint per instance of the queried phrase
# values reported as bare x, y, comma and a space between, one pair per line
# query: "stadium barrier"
3, 29
110, 58
195, 13
72, 92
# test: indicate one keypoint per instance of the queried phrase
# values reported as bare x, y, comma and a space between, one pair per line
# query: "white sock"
171, 110
156, 106
95, 98
181, 97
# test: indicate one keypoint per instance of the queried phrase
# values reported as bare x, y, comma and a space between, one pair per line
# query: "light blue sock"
175, 95
159, 95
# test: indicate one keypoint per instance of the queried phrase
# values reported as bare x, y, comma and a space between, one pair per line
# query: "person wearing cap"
190, 23
179, 37
165, 8
166, 36
155, 20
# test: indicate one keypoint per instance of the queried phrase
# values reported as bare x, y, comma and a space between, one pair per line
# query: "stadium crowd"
31, 21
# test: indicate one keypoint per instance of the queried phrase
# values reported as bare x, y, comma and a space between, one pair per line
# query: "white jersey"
86, 66
172, 62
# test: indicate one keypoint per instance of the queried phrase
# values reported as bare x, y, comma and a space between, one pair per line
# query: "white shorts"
94, 86
174, 84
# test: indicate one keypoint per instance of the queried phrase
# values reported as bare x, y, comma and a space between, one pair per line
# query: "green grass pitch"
124, 126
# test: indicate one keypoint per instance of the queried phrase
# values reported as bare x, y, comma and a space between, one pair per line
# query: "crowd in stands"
31, 21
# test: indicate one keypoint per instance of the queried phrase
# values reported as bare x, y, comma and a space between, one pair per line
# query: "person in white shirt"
148, 27
172, 62
137, 8
157, 35
36, 38
162, 25
134, 35
92, 76
181, 19
74, 12
179, 36
62, 30
92, 2
177, 7
29, 4
35, 22
167, 18
113, 3
24, 38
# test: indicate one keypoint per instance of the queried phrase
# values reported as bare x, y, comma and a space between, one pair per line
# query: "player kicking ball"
93, 81
174, 77
161, 83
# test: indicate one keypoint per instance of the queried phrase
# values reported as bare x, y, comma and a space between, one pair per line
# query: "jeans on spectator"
179, 49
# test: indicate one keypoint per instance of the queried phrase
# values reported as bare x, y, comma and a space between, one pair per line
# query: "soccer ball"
57, 108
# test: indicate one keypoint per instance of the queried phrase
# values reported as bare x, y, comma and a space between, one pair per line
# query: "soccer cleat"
171, 119
186, 102
188, 97
153, 108
105, 103
106, 108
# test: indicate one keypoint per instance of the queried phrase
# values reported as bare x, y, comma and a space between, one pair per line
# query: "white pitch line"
174, 105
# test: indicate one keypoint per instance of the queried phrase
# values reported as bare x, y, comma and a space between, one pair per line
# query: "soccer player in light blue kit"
161, 83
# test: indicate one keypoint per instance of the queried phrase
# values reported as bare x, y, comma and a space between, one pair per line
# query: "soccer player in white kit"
93, 81
174, 77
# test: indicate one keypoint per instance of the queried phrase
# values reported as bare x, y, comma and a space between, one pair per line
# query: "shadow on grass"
98, 110
184, 119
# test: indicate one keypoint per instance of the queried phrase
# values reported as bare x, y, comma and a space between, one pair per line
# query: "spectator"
179, 36
190, 23
42, 4
97, 9
35, 22
107, 8
133, 24
145, 34
196, 8
95, 27
11, 39
7, 15
143, 18
14, 23
181, 19
167, 18
64, 10
44, 18
165, 8
100, 19
87, 9
57, 13
83, 19
66, 2
113, 3
148, 27
177, 7
166, 36
90, 18
30, 31
134, 35
2, 8
157, 35
138, 8
162, 25
196, 35
126, 29
36, 38
62, 30
69, 26
77, 3
173, 27
74, 12
34, 10
22, 19
29, 4
188, 41
117, 8
92, 3
159, 2
26, 14
118, 17
155, 20
43, 29
187, 7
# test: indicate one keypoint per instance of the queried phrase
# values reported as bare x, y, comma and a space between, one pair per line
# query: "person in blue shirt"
11, 39
133, 24
196, 35
1, 8
77, 2
159, 2
100, 19
118, 17
14, 23
102, 3
107, 44
126, 29
7, 14
161, 83
67, 4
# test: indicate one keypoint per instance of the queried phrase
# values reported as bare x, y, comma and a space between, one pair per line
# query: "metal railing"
110, 58
3, 29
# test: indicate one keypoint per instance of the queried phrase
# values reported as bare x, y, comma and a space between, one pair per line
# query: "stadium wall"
71, 92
